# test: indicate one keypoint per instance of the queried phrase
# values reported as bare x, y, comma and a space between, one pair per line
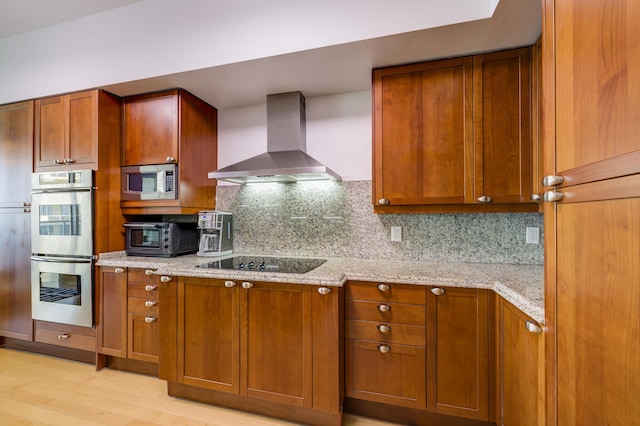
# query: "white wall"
338, 133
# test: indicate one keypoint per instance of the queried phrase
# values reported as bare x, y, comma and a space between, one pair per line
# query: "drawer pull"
229, 284
247, 284
165, 279
383, 349
384, 308
149, 320
532, 327
148, 272
438, 291
150, 287
384, 328
384, 287
118, 270
63, 336
324, 291
150, 303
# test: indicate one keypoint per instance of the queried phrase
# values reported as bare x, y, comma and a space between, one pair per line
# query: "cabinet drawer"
398, 313
398, 333
143, 306
143, 291
385, 292
140, 276
70, 340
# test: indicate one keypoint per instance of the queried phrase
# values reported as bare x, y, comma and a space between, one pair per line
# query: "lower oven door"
62, 290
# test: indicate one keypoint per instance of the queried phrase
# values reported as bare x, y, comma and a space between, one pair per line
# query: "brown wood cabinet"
16, 141
592, 267
273, 342
385, 343
458, 357
172, 126
70, 336
520, 368
453, 135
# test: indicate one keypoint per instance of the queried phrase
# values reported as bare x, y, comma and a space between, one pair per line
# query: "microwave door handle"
60, 259
162, 181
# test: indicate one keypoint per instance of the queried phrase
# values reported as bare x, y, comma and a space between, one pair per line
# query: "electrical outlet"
533, 235
396, 233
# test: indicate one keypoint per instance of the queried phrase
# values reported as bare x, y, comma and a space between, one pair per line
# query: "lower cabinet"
520, 368
264, 341
65, 335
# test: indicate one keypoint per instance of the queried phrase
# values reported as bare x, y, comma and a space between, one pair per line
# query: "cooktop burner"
266, 264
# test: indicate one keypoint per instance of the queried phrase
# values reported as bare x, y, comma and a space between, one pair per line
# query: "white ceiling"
247, 74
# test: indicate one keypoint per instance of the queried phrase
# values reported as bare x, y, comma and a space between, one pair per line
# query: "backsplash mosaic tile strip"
336, 219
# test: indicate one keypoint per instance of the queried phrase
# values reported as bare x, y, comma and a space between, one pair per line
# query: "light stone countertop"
521, 285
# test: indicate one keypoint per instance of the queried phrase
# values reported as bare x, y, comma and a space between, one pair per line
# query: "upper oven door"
61, 223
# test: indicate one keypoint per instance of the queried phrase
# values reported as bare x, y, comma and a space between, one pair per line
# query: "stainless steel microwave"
160, 239
151, 182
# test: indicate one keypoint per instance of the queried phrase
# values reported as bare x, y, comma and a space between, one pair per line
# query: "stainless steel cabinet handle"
148, 272
171, 160
550, 196
324, 291
56, 161
383, 201
384, 287
532, 327
384, 328
26, 204
69, 161
63, 336
384, 308
150, 287
118, 270
229, 284
485, 199
165, 279
438, 291
383, 349
26, 210
247, 284
552, 180
150, 303
149, 320
536, 197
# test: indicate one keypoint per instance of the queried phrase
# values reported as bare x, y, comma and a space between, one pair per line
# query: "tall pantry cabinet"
592, 214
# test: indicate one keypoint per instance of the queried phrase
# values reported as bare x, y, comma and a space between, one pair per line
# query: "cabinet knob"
384, 308
247, 284
69, 161
324, 291
383, 201
438, 291
63, 336
484, 199
532, 327
56, 161
165, 279
150, 287
26, 204
229, 284
118, 270
150, 303
26, 210
148, 272
171, 160
384, 287
536, 197
384, 328
552, 196
552, 180
383, 349
149, 320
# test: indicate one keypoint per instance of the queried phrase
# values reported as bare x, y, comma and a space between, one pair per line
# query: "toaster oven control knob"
166, 246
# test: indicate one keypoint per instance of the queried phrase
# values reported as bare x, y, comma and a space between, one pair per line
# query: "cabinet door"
151, 128
82, 139
142, 337
208, 334
50, 131
502, 136
521, 369
423, 133
458, 358
276, 343
112, 313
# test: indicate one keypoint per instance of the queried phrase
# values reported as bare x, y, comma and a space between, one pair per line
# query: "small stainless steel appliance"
151, 182
216, 237
160, 239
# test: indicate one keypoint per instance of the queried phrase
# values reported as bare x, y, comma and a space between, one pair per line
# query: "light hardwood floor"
42, 390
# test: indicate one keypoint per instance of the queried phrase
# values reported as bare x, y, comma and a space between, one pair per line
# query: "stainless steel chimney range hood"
285, 159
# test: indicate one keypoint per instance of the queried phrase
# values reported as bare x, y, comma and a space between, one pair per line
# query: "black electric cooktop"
266, 264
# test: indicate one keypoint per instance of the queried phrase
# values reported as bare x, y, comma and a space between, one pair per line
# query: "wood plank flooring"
42, 390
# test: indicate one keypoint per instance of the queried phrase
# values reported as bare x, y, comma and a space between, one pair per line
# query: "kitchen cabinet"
271, 342
16, 141
127, 319
385, 343
453, 135
172, 126
592, 214
69, 336
520, 368
458, 357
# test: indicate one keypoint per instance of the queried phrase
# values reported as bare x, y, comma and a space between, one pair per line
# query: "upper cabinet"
68, 128
172, 126
454, 135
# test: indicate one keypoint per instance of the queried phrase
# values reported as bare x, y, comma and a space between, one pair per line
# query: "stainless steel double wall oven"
62, 247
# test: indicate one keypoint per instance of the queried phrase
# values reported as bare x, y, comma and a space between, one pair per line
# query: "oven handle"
60, 259
58, 190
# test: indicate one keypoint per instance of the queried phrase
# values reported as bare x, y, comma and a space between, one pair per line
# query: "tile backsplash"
336, 219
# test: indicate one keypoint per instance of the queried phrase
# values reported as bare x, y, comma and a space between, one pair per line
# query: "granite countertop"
521, 285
